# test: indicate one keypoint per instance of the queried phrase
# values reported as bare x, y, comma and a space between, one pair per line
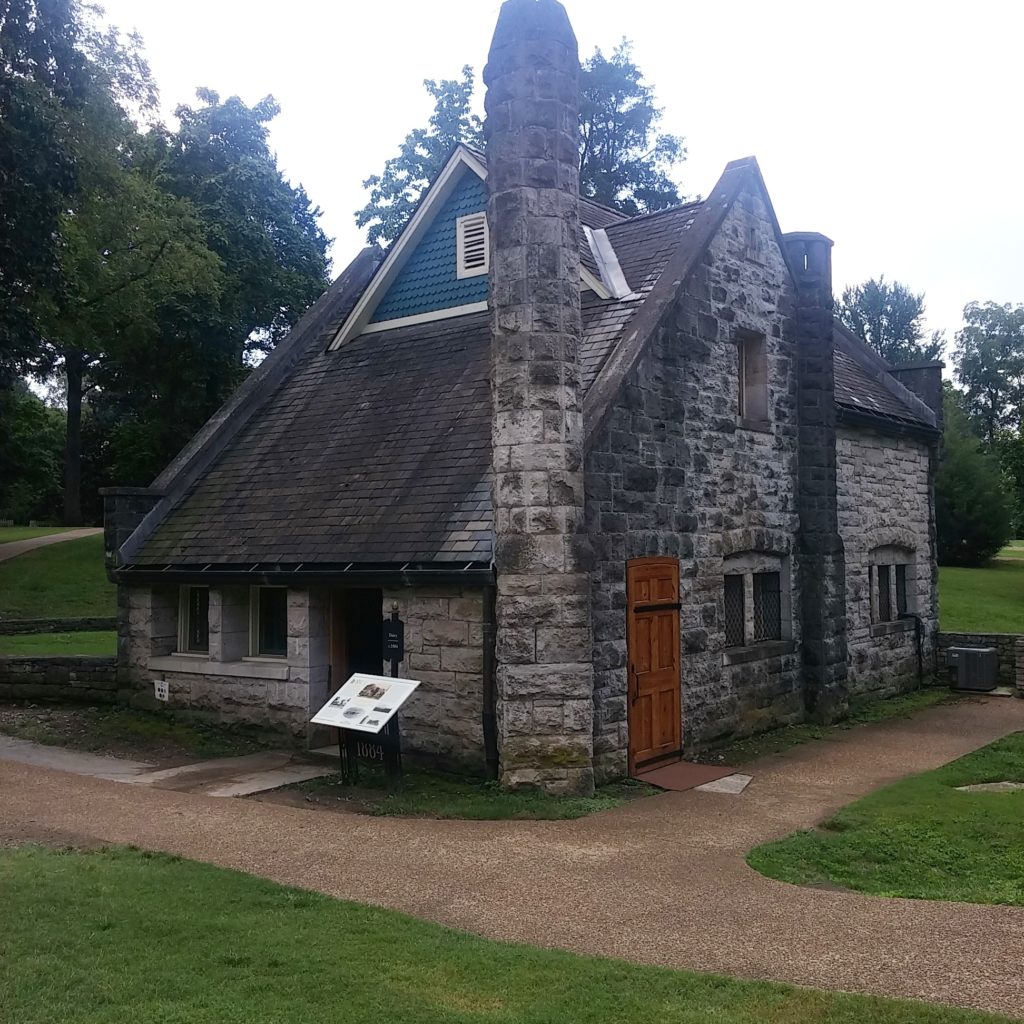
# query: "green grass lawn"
99, 642
60, 581
12, 533
437, 795
124, 937
920, 838
739, 752
1015, 549
989, 600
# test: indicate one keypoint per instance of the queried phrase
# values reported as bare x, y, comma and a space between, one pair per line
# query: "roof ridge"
657, 213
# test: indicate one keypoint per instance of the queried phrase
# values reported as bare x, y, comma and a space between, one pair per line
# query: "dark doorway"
356, 634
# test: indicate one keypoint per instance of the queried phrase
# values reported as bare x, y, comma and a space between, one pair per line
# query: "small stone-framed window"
752, 349
472, 245
757, 599
268, 622
890, 579
194, 620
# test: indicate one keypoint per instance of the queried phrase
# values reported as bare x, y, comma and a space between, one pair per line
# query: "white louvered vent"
471, 245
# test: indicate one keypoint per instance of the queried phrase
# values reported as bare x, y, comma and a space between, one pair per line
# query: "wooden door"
652, 651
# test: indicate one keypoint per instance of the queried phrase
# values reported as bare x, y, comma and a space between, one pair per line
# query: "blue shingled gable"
427, 282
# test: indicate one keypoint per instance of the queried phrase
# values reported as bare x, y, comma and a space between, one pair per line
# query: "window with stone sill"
756, 600
890, 573
752, 400
268, 622
193, 620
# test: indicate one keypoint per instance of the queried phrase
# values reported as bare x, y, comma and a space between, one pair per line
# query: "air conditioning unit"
977, 668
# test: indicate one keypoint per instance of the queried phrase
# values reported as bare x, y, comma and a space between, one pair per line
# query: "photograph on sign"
365, 703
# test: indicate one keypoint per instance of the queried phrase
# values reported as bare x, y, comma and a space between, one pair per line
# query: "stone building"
630, 487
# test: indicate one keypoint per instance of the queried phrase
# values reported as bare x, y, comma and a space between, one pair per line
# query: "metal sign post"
365, 712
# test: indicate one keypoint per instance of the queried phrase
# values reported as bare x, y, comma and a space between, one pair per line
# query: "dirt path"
661, 880
18, 547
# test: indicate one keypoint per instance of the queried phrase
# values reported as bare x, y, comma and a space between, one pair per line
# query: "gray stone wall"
444, 651
11, 627
544, 671
885, 501
1010, 648
82, 678
673, 472
226, 686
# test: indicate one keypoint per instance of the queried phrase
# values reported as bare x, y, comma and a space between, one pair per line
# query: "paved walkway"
661, 880
18, 547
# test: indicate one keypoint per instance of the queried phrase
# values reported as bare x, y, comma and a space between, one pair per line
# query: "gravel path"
18, 547
661, 880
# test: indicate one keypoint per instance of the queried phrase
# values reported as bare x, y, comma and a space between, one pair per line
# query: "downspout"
490, 724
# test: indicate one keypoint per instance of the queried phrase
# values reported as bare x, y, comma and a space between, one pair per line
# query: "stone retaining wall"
11, 627
72, 678
1010, 649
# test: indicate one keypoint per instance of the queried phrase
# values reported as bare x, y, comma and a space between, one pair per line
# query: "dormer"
439, 266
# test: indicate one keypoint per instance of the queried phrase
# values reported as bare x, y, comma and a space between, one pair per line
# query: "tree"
31, 450
989, 359
43, 77
888, 316
395, 192
973, 513
624, 161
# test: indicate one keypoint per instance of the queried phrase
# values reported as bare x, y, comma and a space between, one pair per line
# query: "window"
734, 611
194, 620
753, 377
767, 606
269, 622
471, 245
757, 599
901, 589
890, 583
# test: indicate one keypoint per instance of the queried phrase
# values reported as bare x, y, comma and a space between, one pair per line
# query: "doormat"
682, 775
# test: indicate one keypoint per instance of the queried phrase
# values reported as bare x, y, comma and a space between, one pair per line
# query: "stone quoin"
631, 486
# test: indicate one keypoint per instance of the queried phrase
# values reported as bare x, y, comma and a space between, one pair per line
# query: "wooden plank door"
652, 651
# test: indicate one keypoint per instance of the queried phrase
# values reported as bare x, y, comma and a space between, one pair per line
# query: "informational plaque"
366, 703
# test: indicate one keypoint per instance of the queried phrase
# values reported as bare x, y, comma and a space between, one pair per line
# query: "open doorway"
356, 634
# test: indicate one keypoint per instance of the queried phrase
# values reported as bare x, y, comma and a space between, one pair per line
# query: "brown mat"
683, 775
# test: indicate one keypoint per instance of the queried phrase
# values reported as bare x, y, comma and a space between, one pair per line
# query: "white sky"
893, 127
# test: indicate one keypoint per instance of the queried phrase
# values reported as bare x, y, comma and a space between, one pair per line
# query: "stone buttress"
544, 648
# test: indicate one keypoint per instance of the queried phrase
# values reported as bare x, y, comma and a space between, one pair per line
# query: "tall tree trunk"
73, 365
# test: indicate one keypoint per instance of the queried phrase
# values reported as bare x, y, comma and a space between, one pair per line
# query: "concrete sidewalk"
661, 880
18, 547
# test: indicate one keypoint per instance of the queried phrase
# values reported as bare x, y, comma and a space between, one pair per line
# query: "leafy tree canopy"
989, 359
889, 317
625, 162
973, 511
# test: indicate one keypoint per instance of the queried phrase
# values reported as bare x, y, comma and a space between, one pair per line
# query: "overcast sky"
893, 127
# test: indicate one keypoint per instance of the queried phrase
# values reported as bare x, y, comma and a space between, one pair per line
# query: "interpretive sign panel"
366, 703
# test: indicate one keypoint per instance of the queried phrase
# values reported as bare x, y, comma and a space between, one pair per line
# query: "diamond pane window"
767, 606
734, 611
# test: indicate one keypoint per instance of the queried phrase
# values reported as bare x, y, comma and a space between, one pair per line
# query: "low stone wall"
12, 627
1010, 648
72, 678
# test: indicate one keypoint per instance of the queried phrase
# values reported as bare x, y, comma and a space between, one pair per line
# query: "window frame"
898, 567
753, 403
185, 619
462, 224
747, 566
254, 624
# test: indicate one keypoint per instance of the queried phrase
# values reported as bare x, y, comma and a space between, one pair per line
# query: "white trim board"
358, 321
425, 318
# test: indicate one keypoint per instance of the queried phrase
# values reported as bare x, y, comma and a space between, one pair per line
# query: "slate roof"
379, 452
861, 385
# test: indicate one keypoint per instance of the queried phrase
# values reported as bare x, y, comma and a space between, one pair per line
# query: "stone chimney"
544, 646
822, 555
